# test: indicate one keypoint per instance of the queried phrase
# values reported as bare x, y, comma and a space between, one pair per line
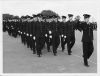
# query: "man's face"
39, 18
86, 19
35, 19
49, 20
63, 19
70, 18
55, 19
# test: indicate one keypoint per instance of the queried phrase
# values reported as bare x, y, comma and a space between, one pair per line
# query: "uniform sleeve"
94, 25
80, 26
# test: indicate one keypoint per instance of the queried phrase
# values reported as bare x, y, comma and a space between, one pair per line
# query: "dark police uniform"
87, 39
70, 31
55, 36
49, 35
71, 35
33, 28
64, 36
40, 38
4, 26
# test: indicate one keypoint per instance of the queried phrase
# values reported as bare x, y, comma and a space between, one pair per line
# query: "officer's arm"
80, 26
94, 25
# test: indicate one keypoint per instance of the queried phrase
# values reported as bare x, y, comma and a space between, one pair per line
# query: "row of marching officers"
38, 30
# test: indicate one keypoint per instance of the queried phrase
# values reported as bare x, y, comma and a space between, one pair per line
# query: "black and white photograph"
49, 36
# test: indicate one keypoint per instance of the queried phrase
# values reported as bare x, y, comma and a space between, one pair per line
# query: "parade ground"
17, 58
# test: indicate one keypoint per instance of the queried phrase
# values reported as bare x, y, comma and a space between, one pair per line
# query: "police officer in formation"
37, 31
68, 33
87, 38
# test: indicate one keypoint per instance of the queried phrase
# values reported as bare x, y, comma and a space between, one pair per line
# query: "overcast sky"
62, 7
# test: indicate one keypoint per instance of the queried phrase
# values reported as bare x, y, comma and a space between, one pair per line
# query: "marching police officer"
48, 34
87, 38
71, 33
40, 37
63, 32
55, 34
33, 28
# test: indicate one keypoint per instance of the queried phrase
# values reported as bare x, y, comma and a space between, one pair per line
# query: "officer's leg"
72, 44
91, 48
43, 43
10, 32
48, 45
55, 45
24, 41
15, 34
34, 51
31, 43
54, 50
62, 44
27, 42
39, 51
85, 53
22, 38
68, 48
85, 62
38, 46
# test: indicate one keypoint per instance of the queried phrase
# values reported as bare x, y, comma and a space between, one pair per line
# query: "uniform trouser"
48, 42
9, 32
55, 43
87, 51
14, 33
4, 29
33, 45
70, 43
28, 41
22, 38
40, 42
31, 42
63, 42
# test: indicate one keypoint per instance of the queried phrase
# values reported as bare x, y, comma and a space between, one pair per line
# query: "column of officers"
37, 31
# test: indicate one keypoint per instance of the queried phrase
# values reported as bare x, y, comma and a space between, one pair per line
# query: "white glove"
46, 35
64, 36
34, 37
18, 31
27, 34
30, 35
50, 32
21, 32
24, 32
50, 36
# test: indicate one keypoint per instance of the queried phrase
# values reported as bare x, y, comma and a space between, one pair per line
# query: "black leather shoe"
69, 54
55, 54
86, 65
34, 52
